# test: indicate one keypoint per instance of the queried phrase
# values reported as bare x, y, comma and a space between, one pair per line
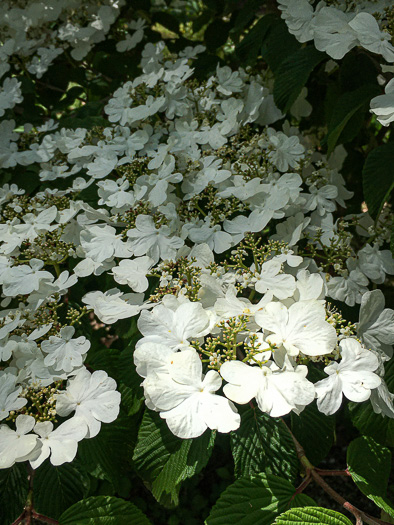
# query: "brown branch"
316, 474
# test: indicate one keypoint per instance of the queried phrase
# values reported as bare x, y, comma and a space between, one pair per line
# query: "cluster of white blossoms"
219, 232
339, 26
34, 33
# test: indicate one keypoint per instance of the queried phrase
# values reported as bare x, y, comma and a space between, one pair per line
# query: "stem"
316, 475
43, 518
28, 512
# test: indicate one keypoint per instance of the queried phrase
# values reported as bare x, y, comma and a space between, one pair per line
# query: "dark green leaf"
164, 461
216, 34
314, 431
254, 500
103, 510
292, 75
309, 515
378, 178
278, 45
111, 451
13, 492
369, 464
249, 47
56, 488
345, 108
263, 444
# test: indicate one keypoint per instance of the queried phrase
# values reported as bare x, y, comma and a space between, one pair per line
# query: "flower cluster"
338, 27
219, 231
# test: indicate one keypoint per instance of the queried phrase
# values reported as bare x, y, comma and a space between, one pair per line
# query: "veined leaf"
369, 464
378, 178
263, 444
345, 108
309, 515
293, 73
56, 488
103, 510
164, 460
258, 499
13, 492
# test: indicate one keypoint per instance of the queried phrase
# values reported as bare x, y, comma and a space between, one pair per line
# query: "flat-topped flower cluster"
220, 232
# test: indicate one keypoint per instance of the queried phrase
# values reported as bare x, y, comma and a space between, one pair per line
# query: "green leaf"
292, 75
249, 47
378, 178
258, 499
216, 34
13, 492
103, 510
369, 464
56, 488
263, 444
314, 431
345, 108
312, 515
111, 451
164, 460
278, 45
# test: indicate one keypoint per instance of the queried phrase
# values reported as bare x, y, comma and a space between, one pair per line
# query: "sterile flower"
353, 377
271, 279
300, 328
61, 444
133, 273
174, 329
114, 305
17, 445
93, 398
277, 391
9, 394
186, 399
376, 326
383, 105
65, 353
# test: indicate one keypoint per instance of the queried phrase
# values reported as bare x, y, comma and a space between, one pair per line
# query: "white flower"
349, 288
277, 391
61, 443
65, 353
174, 329
298, 15
300, 328
371, 37
376, 326
9, 394
383, 105
17, 445
186, 398
287, 151
154, 242
114, 305
231, 305
92, 396
229, 81
375, 263
133, 273
101, 242
332, 32
10, 94
23, 279
353, 377
271, 279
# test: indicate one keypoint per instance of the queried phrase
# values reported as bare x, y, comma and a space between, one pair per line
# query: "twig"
316, 474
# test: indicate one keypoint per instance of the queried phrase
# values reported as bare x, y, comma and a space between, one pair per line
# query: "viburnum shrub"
195, 261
